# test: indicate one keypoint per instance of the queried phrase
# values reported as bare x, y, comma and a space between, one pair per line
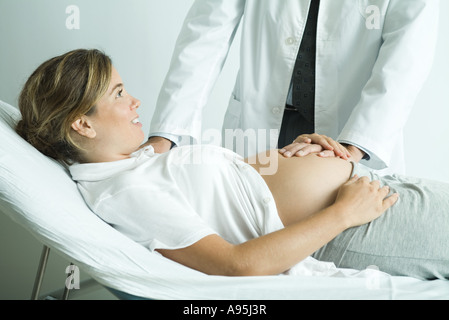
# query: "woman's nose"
135, 103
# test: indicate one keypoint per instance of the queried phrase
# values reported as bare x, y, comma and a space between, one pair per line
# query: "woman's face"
118, 131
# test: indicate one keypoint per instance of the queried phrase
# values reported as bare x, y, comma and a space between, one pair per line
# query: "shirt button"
290, 41
267, 200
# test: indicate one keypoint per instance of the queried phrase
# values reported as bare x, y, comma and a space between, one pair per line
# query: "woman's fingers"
391, 200
353, 179
375, 184
383, 192
364, 200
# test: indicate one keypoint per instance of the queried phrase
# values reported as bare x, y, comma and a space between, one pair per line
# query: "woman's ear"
83, 127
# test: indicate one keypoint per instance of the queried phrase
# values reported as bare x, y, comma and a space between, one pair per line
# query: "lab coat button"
276, 110
290, 41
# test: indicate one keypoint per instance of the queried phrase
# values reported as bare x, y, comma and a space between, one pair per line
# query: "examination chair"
38, 194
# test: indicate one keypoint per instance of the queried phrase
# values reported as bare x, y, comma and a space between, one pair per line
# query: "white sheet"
38, 194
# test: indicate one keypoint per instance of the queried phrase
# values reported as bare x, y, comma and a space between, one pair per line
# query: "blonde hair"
60, 91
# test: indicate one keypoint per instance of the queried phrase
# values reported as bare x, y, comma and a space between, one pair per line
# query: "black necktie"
304, 71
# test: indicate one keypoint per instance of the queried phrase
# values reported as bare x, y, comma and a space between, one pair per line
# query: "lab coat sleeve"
200, 53
409, 39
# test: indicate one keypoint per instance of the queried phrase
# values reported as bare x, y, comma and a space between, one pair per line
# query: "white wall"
427, 132
139, 36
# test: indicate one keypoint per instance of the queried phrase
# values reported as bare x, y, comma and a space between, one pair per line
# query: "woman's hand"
315, 143
361, 201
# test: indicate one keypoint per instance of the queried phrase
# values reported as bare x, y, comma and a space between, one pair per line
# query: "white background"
139, 35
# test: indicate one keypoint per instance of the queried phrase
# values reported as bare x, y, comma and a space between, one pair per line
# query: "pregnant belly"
302, 186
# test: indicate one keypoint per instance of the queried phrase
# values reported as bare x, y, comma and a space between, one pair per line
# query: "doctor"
350, 70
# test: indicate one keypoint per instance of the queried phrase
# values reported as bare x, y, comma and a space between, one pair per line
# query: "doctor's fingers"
338, 149
305, 138
316, 138
327, 154
327, 143
292, 149
301, 149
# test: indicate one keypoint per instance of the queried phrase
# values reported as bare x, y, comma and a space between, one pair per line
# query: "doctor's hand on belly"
323, 146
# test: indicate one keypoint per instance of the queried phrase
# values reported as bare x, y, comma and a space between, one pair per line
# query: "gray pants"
410, 239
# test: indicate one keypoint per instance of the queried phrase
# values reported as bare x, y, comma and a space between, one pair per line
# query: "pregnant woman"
206, 208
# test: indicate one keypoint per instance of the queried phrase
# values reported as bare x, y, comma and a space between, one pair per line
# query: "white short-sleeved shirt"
172, 200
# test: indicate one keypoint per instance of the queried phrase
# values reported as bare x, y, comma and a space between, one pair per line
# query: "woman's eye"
120, 93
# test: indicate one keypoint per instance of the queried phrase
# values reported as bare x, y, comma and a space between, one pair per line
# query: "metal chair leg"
88, 285
40, 273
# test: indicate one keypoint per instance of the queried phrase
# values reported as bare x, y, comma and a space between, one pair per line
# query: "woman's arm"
359, 201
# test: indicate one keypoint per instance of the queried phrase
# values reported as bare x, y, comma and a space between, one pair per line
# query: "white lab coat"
369, 71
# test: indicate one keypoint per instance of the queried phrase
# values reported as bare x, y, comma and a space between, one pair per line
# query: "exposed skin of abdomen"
302, 186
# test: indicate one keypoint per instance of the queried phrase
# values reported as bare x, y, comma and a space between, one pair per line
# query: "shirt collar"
91, 172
